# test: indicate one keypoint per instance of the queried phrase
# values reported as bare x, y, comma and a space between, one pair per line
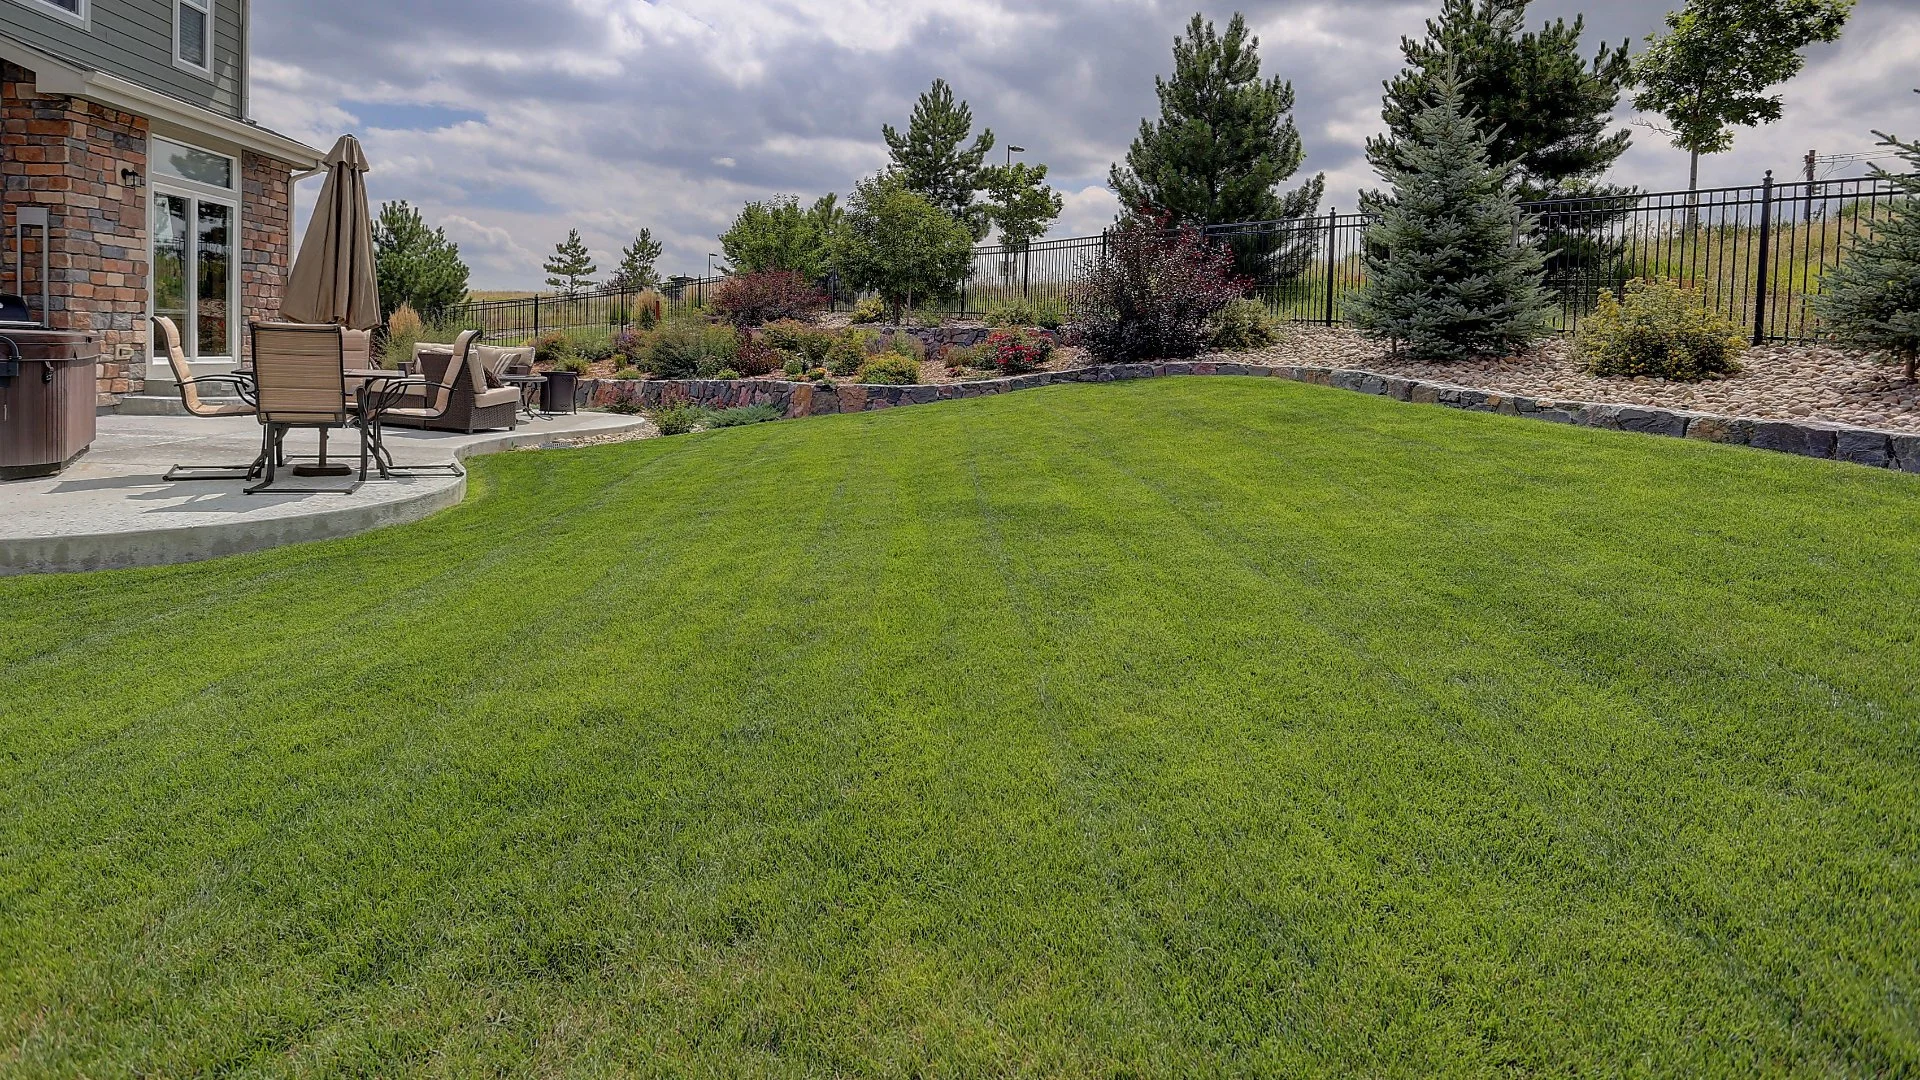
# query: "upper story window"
183, 162
193, 34
71, 10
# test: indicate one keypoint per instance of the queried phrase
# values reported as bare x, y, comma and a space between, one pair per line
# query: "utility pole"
1813, 159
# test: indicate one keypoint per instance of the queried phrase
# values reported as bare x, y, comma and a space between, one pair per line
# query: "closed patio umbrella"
332, 279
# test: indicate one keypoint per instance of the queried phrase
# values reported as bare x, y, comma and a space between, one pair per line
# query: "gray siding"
134, 40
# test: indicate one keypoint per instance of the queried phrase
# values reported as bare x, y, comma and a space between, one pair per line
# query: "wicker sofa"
476, 405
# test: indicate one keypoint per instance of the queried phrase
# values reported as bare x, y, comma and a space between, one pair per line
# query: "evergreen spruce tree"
415, 265
1872, 299
1543, 107
636, 269
1223, 145
1451, 272
931, 159
570, 268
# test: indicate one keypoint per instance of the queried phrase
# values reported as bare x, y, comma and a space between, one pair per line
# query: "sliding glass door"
193, 265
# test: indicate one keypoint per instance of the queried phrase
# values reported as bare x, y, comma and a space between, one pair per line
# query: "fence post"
1760, 275
1333, 218
536, 315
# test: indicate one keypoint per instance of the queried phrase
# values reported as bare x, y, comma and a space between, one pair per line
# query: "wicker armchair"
474, 406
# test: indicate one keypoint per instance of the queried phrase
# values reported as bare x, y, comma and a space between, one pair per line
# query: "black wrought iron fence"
1756, 254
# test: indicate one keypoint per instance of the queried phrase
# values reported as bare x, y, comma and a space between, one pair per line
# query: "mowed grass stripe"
1202, 726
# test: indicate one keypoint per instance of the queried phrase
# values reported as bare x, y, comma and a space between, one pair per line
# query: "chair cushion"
488, 398
358, 347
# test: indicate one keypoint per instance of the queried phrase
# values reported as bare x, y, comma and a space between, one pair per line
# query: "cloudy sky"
509, 121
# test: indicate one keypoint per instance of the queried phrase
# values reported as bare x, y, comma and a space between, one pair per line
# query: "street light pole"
1012, 150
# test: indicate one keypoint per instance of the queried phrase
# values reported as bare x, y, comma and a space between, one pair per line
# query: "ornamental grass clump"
1151, 293
1658, 329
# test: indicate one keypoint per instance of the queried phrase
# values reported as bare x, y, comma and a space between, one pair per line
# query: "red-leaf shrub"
756, 357
765, 296
1015, 352
1149, 294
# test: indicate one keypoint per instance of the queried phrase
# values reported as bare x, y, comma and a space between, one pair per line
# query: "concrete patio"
112, 510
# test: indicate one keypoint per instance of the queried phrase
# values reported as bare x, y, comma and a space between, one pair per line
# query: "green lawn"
1177, 728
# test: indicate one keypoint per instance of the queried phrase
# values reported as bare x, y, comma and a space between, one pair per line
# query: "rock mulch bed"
1785, 382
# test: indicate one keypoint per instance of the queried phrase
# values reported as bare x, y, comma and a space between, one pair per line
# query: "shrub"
958, 357
745, 414
889, 367
630, 346
592, 347
1150, 294
623, 407
1015, 312
907, 345
1244, 324
677, 419
752, 299
846, 355
549, 347
680, 347
794, 367
629, 373
710, 367
573, 362
869, 310
808, 342
1657, 329
819, 375
755, 358
1014, 352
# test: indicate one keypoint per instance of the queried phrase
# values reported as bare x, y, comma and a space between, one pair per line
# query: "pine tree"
415, 265
1451, 273
1224, 143
636, 269
570, 268
1872, 299
1541, 105
933, 162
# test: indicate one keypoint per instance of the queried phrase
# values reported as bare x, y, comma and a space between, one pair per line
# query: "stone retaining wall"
1809, 438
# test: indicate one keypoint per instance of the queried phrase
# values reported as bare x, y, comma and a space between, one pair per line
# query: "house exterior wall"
134, 40
266, 240
66, 155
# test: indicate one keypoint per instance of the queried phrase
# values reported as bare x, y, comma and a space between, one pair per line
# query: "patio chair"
416, 400
300, 381
168, 338
358, 347
477, 403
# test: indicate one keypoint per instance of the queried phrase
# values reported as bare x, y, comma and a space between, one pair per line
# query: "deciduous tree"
899, 244
1710, 72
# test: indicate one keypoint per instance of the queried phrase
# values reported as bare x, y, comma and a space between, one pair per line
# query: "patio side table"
530, 387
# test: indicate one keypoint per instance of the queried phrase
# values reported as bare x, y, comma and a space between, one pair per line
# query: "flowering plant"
1015, 351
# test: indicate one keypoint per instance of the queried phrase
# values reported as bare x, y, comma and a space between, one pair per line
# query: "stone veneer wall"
66, 154
266, 240
1809, 438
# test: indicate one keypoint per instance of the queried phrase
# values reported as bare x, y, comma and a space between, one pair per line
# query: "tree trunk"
1693, 185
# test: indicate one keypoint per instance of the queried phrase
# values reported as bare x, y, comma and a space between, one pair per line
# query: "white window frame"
82, 18
205, 7
197, 192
